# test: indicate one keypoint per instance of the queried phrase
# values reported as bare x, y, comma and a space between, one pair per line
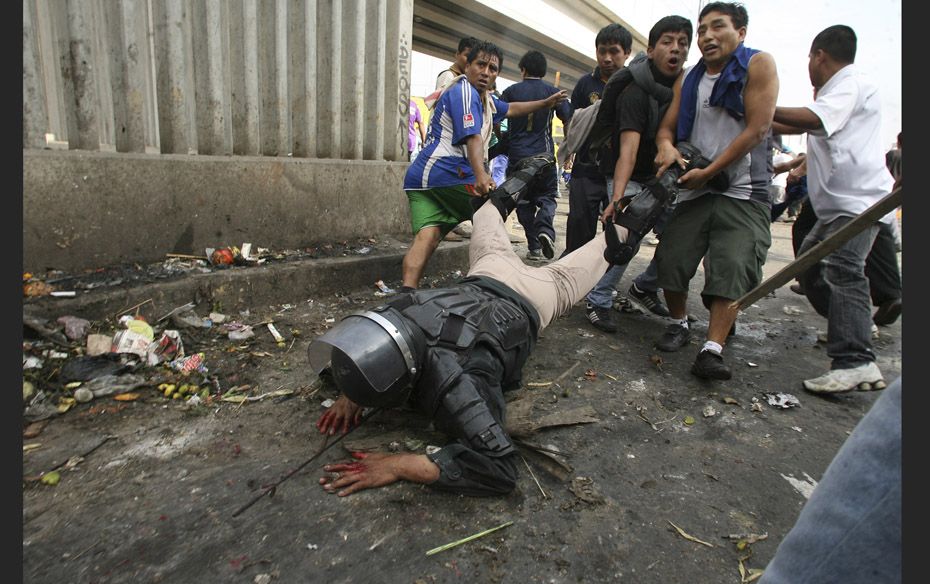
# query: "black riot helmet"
374, 356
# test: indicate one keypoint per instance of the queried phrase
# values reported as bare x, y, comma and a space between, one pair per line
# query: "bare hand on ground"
344, 414
377, 469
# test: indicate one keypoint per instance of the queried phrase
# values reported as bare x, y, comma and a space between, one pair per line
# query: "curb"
238, 288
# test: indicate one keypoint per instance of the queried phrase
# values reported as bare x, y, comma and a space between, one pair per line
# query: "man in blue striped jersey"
452, 166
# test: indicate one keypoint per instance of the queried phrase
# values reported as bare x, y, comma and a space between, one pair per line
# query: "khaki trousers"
551, 289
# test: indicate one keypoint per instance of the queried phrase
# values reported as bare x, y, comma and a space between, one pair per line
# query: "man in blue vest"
723, 106
452, 166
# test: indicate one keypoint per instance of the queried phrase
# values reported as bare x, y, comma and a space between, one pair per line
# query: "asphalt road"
665, 452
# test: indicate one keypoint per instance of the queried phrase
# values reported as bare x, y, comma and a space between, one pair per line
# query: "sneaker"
535, 255
888, 312
463, 229
651, 241
710, 365
864, 377
649, 300
548, 248
675, 337
797, 289
600, 318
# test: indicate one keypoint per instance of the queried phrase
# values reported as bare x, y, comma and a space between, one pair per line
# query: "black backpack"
604, 139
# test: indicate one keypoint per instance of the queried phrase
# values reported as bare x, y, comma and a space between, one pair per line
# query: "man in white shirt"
846, 176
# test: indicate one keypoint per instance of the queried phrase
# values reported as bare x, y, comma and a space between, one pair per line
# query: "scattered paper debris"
328, 403
782, 400
796, 428
730, 401
805, 487
384, 289
792, 310
709, 411
274, 332
751, 364
749, 538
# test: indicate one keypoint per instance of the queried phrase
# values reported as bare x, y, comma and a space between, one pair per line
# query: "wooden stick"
558, 76
545, 496
134, 307
185, 256
467, 539
565, 373
326, 446
821, 250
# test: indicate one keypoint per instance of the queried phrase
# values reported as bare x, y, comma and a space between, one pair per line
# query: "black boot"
506, 196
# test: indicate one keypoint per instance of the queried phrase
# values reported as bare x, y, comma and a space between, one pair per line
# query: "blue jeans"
838, 290
850, 529
499, 169
601, 295
536, 210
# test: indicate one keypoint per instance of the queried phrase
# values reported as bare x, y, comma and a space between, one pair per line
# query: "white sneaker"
864, 377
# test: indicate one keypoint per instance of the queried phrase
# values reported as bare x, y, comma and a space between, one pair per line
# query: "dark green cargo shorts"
731, 235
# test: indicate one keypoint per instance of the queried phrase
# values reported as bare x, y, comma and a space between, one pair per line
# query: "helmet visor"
379, 359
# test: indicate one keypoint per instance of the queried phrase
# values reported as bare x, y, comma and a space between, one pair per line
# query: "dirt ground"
153, 502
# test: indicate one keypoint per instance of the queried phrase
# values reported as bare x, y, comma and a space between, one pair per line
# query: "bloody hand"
343, 415
370, 470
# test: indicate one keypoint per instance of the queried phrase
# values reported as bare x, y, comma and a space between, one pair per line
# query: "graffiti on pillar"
403, 96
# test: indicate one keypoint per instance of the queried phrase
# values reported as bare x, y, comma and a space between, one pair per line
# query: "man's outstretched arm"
378, 469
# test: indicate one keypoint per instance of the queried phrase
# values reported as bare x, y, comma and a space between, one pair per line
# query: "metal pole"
821, 250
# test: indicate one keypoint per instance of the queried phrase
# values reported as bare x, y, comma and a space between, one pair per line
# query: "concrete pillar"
51, 26
124, 26
311, 85
35, 109
375, 91
282, 74
175, 76
336, 76
244, 78
399, 26
211, 76
77, 61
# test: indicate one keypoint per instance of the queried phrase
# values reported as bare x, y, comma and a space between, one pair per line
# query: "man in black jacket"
636, 114
453, 352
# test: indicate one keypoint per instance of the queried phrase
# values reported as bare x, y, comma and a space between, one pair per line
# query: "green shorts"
731, 235
443, 207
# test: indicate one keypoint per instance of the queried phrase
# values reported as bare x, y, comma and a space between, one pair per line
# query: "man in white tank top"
724, 106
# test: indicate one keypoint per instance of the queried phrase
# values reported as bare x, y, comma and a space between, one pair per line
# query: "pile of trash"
68, 364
